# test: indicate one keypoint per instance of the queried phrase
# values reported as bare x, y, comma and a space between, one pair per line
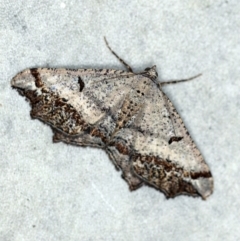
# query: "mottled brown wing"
83, 107
165, 156
73, 102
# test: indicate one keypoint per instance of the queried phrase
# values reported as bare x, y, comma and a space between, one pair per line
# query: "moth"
126, 114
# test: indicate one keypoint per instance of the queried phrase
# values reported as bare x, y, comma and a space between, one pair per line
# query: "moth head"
151, 72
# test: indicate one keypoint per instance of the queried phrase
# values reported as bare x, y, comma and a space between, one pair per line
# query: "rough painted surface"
126, 114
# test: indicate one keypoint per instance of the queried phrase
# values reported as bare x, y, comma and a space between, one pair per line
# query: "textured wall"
59, 192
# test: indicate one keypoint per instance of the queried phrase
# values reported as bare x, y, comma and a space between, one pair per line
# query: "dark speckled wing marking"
126, 114
37, 77
81, 83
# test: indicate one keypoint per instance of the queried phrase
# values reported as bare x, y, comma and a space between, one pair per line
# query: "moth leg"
120, 59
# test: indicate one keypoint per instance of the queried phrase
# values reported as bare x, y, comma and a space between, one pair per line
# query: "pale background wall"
59, 192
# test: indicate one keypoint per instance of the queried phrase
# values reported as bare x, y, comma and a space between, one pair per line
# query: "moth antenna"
179, 81
121, 60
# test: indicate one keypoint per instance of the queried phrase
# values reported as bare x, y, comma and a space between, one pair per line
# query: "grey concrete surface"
60, 192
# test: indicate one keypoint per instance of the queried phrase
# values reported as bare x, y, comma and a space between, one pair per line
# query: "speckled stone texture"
61, 192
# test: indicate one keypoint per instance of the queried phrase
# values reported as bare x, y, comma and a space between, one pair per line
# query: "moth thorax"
151, 72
